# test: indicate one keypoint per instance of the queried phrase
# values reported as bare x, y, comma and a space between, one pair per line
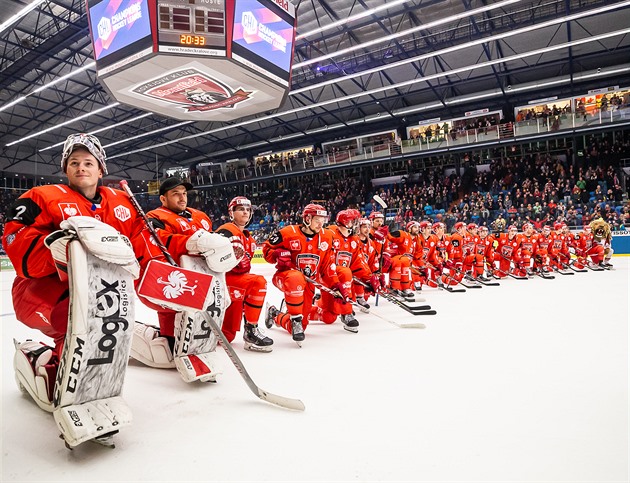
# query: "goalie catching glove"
100, 239
216, 249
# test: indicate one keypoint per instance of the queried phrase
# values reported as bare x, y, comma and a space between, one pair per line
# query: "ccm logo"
109, 238
226, 257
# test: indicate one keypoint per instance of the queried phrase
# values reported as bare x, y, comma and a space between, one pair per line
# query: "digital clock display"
197, 40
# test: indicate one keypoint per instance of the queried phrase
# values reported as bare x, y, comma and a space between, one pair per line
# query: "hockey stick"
510, 274
403, 325
446, 285
281, 401
383, 206
557, 270
415, 310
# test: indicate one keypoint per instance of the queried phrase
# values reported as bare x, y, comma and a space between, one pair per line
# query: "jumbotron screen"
263, 36
116, 24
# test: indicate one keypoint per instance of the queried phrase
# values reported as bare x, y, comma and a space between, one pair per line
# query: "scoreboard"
195, 24
195, 59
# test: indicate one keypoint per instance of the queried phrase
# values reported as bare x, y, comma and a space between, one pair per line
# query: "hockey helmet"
410, 225
546, 229
348, 218
89, 142
438, 226
472, 226
528, 226
365, 221
483, 229
240, 201
512, 228
313, 209
557, 226
424, 225
587, 228
460, 225
376, 214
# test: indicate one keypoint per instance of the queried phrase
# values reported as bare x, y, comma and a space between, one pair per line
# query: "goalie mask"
89, 142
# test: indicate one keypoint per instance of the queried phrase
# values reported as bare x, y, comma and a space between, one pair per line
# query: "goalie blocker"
188, 289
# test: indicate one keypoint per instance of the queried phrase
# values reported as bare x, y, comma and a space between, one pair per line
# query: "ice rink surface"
523, 382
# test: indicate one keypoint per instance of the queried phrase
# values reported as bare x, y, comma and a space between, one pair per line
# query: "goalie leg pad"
195, 343
199, 367
150, 348
82, 422
96, 350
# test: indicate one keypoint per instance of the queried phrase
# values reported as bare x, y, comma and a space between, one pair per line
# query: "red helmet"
512, 228
410, 225
365, 221
376, 214
483, 228
437, 226
587, 228
472, 226
347, 218
313, 209
239, 201
558, 226
460, 225
546, 229
527, 226
424, 225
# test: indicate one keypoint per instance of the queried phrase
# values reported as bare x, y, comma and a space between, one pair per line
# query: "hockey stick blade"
380, 201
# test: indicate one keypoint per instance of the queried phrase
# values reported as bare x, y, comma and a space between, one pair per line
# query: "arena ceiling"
360, 66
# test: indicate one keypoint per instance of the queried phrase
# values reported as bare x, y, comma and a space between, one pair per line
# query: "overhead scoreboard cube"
206, 60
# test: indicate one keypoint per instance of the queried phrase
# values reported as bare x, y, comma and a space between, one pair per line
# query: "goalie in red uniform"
40, 238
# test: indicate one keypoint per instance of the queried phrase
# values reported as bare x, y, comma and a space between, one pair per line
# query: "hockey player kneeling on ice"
198, 285
74, 283
247, 290
182, 335
299, 251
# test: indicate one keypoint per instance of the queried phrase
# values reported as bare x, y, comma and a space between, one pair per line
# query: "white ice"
523, 382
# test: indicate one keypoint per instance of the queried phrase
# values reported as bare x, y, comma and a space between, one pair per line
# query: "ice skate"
365, 307
255, 340
350, 323
270, 316
297, 331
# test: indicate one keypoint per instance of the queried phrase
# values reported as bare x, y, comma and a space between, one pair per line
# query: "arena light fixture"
455, 48
365, 13
69, 75
387, 38
22, 13
57, 126
106, 128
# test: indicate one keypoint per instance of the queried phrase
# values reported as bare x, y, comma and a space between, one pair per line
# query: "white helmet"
89, 142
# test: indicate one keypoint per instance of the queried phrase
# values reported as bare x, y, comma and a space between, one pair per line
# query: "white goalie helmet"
89, 142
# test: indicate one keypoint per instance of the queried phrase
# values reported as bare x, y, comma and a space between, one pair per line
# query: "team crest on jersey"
353, 244
69, 209
294, 245
206, 225
176, 285
185, 226
237, 294
336, 244
10, 238
122, 213
323, 246
307, 263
